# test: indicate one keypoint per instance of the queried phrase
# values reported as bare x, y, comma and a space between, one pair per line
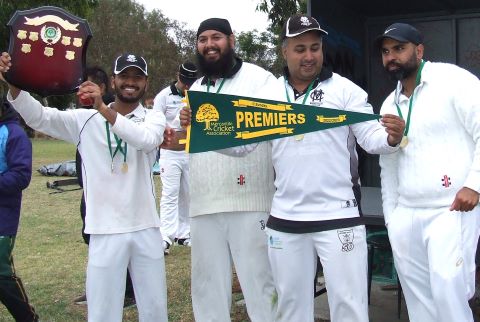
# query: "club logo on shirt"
346, 238
241, 180
446, 181
316, 97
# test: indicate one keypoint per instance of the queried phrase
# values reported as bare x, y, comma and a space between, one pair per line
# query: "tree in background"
118, 26
278, 11
257, 48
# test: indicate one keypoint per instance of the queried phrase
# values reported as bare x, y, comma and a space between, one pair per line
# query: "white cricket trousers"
217, 241
434, 254
108, 259
174, 203
343, 254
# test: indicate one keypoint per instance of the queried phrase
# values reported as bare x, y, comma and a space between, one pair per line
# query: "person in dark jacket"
15, 176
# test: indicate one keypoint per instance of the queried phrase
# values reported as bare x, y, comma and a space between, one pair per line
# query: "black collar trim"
325, 74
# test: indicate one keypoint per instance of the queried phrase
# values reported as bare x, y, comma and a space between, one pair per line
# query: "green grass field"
50, 255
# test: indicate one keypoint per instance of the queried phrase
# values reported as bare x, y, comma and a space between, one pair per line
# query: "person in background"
98, 76
315, 209
118, 144
430, 188
173, 163
15, 176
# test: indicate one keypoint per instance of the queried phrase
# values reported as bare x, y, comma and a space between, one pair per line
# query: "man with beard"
98, 76
118, 144
431, 186
315, 209
173, 162
232, 195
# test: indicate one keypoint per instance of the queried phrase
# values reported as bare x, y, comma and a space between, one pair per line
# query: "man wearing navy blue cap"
173, 162
118, 144
431, 186
232, 195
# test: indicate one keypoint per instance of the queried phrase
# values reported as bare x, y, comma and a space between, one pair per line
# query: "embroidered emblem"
262, 224
349, 203
346, 238
304, 21
446, 181
241, 180
131, 58
317, 96
275, 242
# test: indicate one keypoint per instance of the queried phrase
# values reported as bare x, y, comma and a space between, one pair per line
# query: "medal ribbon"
410, 104
219, 87
118, 147
306, 94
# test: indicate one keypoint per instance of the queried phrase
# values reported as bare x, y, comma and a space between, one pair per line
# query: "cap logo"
304, 21
131, 58
388, 30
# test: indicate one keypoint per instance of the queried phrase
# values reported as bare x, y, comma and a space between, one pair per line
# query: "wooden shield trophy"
48, 48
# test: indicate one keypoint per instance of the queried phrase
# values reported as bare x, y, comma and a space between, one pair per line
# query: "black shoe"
81, 300
166, 247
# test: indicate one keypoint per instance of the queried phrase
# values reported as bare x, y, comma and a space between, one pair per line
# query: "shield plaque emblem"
48, 47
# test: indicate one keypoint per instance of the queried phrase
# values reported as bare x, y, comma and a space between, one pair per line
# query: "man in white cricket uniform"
431, 186
315, 206
118, 144
232, 196
175, 222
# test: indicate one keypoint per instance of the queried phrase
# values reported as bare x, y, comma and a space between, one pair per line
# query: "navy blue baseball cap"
401, 32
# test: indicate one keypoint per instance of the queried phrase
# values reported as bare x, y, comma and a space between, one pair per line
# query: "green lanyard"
306, 94
118, 148
410, 105
219, 87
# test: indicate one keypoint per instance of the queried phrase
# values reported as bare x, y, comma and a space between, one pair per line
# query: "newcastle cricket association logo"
221, 121
208, 114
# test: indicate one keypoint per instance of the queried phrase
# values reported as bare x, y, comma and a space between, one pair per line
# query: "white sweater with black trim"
221, 183
316, 174
116, 202
443, 153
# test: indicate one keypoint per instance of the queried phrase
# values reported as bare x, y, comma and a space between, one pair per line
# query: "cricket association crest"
346, 238
221, 121
207, 113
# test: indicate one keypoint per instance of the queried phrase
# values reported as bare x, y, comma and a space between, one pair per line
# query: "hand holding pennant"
221, 121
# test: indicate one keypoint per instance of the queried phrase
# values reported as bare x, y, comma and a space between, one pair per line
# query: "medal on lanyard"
299, 137
123, 150
404, 142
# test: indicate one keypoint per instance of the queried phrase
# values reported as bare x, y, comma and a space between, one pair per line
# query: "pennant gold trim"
249, 135
272, 107
339, 119
38, 21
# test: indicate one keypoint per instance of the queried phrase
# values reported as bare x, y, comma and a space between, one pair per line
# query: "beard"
216, 68
403, 70
128, 99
